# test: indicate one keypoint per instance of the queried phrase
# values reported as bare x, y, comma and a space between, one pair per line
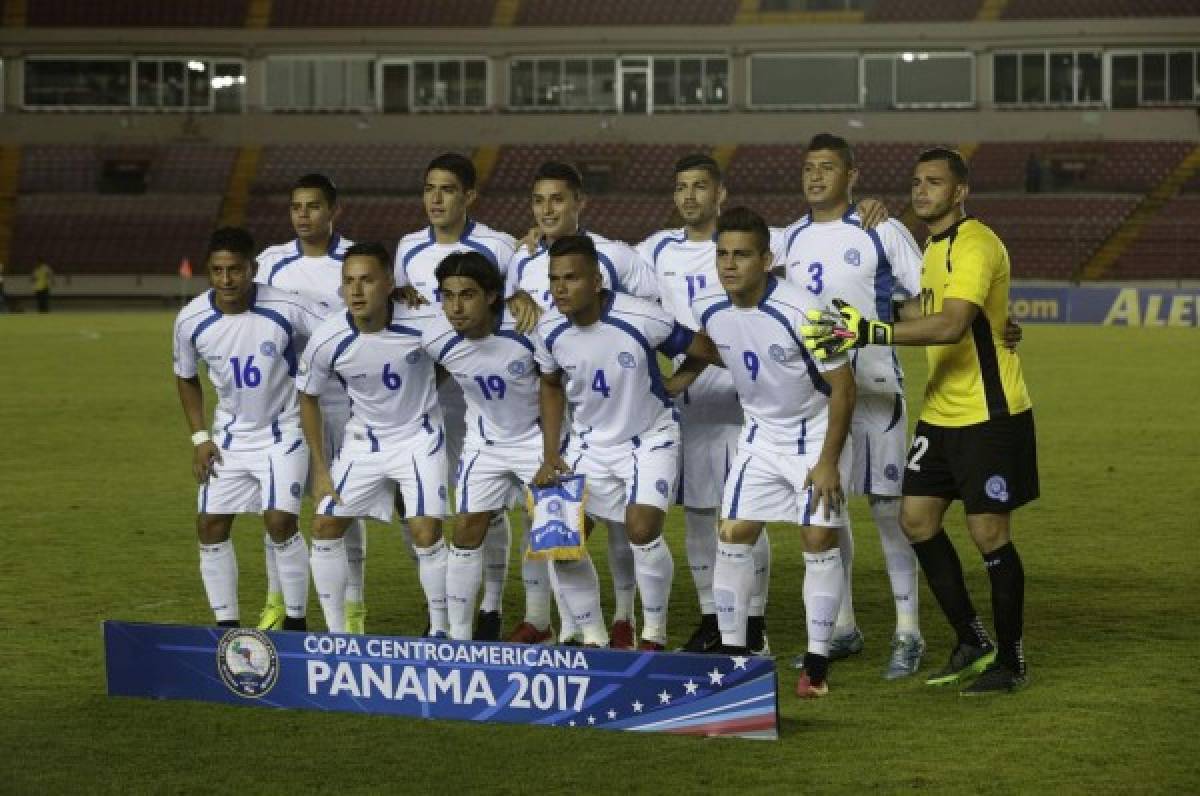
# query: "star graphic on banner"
591, 719
715, 676
690, 686
571, 723
739, 662
637, 706
612, 714
664, 697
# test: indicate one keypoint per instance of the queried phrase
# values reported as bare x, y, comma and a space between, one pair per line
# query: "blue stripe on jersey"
415, 250
803, 436
425, 424
420, 490
678, 341
204, 498
335, 240
656, 382
662, 244
228, 434
885, 280
518, 337
465, 240
713, 309
808, 494
342, 346
554, 333
440, 440
482, 433
204, 324
295, 445
602, 258
867, 479
275, 432
819, 383
804, 223
526, 260
897, 411
279, 266
752, 432
374, 440
466, 478
289, 350
737, 490
633, 489
453, 341
399, 328
338, 490
271, 488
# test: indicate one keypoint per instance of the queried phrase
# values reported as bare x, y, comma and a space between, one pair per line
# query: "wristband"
201, 437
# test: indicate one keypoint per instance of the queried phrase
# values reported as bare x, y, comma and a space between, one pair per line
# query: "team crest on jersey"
269, 349
777, 353
412, 357
662, 486
997, 488
247, 662
853, 257
626, 360
891, 472
516, 368
296, 489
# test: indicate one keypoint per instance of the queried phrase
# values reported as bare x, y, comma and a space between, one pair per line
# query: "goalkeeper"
975, 438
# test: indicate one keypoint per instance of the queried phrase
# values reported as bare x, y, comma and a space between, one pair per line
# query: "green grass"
97, 517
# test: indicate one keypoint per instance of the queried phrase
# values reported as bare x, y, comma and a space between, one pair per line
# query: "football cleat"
807, 688
756, 636
273, 613
997, 678
967, 659
706, 636
526, 633
438, 634
487, 626
621, 635
907, 649
844, 646
730, 650
356, 617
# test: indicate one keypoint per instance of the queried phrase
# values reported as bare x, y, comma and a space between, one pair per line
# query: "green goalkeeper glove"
828, 334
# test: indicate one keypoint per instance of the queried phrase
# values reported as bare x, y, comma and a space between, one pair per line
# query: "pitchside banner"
1107, 306
570, 687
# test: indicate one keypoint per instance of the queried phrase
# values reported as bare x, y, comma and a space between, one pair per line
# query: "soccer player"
598, 352
394, 436
311, 266
448, 195
975, 439
790, 463
830, 254
247, 335
476, 341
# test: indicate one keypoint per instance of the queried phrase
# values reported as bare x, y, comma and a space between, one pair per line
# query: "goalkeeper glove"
828, 334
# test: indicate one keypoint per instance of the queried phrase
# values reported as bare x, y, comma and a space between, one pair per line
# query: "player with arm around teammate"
394, 437
254, 459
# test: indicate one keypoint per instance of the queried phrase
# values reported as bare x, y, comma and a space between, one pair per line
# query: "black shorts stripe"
989, 368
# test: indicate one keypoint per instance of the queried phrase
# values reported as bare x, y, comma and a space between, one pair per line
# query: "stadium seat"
382, 13
359, 168
1168, 246
1109, 166
1084, 9
923, 10
565, 13
136, 14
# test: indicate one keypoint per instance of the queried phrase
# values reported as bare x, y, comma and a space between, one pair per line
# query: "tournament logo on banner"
569, 687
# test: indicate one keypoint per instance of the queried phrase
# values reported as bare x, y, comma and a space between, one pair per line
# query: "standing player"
246, 334
311, 266
975, 439
830, 254
557, 202
476, 341
598, 353
394, 436
790, 462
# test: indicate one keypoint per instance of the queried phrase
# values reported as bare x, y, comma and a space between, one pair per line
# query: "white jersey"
318, 279
783, 394
419, 254
614, 389
251, 361
864, 267
387, 374
498, 378
621, 268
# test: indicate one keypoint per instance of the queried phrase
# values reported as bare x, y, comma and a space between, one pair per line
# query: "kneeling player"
246, 334
797, 417
394, 436
477, 343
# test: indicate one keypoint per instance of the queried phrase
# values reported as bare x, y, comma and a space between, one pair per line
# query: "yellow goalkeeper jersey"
977, 378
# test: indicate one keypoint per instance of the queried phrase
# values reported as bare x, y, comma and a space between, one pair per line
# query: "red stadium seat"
1084, 9
923, 10
565, 13
136, 14
382, 13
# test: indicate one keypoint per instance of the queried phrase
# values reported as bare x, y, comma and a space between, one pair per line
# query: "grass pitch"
98, 523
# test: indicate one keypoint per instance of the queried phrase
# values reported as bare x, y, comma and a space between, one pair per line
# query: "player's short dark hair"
834, 143
953, 158
555, 170
698, 161
575, 244
321, 183
473, 265
743, 219
372, 249
458, 165
231, 239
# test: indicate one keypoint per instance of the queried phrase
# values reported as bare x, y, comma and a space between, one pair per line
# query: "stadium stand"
1104, 166
923, 10
382, 13
361, 168
180, 168
1064, 9
1167, 245
364, 218
626, 12
136, 14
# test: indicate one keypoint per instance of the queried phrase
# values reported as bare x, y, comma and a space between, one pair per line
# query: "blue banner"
1106, 306
570, 687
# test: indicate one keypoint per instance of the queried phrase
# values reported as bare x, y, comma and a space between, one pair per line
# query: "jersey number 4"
600, 385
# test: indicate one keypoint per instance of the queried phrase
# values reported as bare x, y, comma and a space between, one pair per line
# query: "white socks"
846, 621
464, 572
701, 542
356, 560
291, 561
495, 561
762, 574
620, 564
273, 585
535, 573
580, 590
219, 571
823, 586
431, 566
901, 563
655, 569
329, 572
733, 583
